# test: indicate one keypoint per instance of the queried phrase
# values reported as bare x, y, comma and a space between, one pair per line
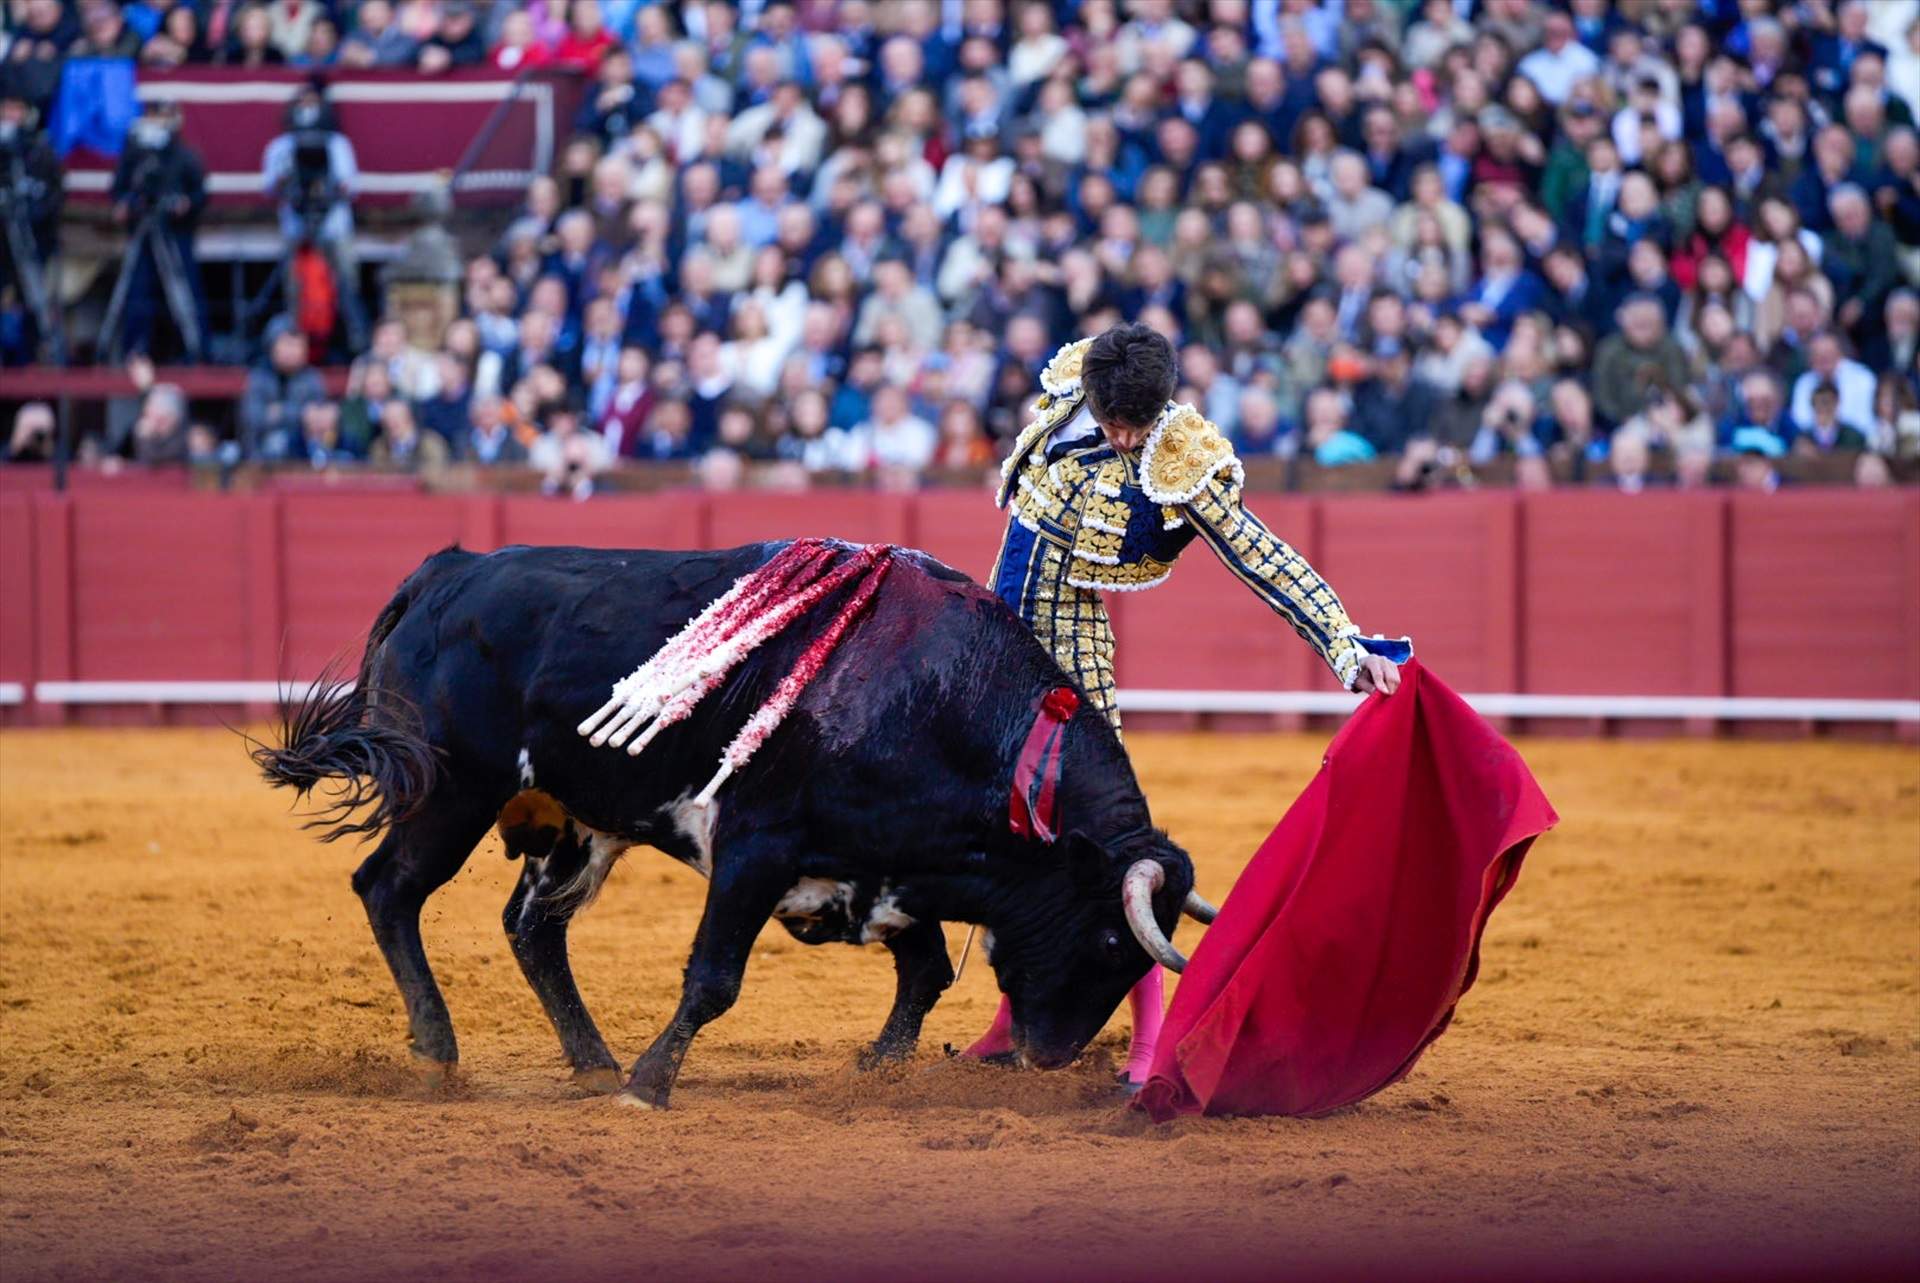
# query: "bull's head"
1065, 959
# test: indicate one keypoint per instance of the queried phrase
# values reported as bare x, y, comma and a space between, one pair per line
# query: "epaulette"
1182, 453
1058, 402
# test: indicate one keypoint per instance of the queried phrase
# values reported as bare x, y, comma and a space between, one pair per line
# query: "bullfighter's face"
1125, 437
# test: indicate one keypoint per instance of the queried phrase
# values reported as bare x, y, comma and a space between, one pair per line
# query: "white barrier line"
12, 693
168, 692
1613, 707
1610, 707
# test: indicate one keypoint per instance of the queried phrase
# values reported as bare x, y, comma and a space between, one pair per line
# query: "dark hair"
1130, 373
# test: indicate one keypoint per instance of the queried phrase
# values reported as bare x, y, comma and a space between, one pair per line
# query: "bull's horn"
1136, 896
1198, 909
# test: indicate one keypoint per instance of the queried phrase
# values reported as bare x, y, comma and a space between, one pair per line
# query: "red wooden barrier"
16, 589
1441, 568
1826, 594
1622, 597
1805, 594
342, 557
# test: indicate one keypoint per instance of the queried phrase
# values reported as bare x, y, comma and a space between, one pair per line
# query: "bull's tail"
370, 741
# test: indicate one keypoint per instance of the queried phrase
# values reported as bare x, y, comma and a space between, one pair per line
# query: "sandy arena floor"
1694, 1048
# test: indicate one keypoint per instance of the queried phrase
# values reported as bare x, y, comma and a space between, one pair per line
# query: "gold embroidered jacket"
1087, 519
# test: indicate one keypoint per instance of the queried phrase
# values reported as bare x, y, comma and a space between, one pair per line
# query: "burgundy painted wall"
1811, 593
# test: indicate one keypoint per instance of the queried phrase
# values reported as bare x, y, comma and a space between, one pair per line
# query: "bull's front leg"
922, 974
740, 899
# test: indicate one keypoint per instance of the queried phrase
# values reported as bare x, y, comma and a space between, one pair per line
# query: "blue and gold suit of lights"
1087, 519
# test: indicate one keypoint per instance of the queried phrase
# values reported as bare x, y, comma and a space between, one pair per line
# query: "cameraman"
30, 196
159, 190
312, 171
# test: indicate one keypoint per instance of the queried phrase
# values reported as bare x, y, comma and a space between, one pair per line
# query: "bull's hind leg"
537, 929
414, 860
740, 899
923, 973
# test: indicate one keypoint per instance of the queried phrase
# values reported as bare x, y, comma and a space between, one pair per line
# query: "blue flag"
94, 107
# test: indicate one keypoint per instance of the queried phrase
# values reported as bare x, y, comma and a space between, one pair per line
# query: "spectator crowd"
1616, 240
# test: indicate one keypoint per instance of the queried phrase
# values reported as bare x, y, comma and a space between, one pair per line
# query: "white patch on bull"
810, 897
603, 849
695, 823
986, 945
526, 769
884, 918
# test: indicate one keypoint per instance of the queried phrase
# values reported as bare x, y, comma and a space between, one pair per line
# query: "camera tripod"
150, 234
27, 267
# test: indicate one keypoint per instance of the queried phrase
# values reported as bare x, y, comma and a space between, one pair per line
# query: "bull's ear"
1086, 861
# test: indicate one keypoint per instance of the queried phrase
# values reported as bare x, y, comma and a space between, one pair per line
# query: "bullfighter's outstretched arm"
1187, 464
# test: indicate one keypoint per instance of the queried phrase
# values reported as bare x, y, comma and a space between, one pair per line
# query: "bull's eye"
1113, 948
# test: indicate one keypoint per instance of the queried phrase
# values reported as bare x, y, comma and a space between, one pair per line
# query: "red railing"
1808, 594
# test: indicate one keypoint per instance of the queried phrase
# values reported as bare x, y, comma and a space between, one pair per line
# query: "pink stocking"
998, 1039
1147, 1004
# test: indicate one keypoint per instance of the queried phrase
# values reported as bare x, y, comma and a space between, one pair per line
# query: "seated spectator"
895, 438
1626, 363
319, 443
587, 43
369, 391
963, 439
568, 459
897, 294
250, 44
1573, 430
519, 46
626, 408
1896, 343
1762, 403
276, 394
489, 440
456, 41
31, 440
1672, 420
1629, 462
1560, 63
1895, 431
814, 444
1392, 405
104, 33
177, 40
445, 412
1860, 257
402, 445
1260, 430
1326, 434
375, 39
666, 431
1827, 362
1354, 205
1757, 451
1827, 433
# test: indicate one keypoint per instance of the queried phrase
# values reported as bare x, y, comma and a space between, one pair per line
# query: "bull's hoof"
430, 1075
631, 1101
600, 1081
878, 1057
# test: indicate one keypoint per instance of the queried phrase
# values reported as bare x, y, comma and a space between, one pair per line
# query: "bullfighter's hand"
1377, 674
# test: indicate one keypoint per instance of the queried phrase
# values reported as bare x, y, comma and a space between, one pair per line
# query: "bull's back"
510, 649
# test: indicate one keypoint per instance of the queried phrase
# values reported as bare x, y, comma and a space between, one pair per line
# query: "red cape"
1356, 927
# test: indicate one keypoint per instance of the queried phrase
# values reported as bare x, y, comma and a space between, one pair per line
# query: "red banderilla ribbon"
1036, 775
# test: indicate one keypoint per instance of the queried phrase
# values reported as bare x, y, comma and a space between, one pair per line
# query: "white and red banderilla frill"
701, 656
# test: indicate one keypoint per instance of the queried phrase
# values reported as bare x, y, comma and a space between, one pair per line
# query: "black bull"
877, 811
